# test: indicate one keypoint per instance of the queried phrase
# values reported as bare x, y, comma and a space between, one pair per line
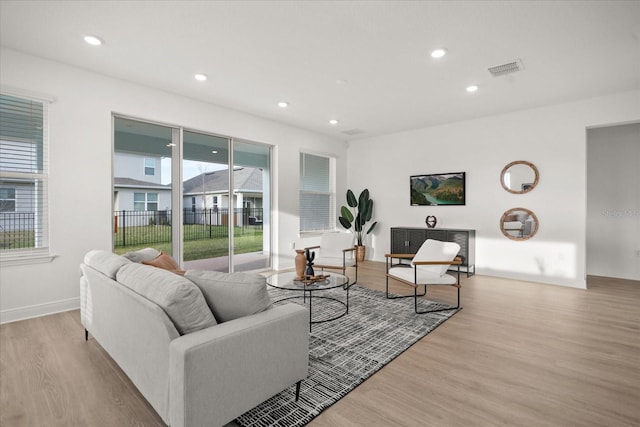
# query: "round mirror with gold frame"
519, 177
519, 224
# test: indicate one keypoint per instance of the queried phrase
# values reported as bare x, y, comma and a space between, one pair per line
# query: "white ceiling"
259, 53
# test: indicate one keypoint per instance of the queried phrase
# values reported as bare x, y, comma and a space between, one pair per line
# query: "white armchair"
336, 251
428, 267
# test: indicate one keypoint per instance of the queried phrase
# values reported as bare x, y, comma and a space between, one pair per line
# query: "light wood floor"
518, 354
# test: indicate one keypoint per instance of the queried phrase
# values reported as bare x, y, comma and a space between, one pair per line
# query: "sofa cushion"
146, 254
179, 298
232, 295
166, 262
105, 262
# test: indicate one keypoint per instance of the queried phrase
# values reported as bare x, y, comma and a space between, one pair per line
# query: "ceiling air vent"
353, 132
509, 67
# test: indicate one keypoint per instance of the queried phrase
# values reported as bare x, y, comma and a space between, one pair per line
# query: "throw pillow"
146, 254
232, 295
166, 262
105, 262
179, 298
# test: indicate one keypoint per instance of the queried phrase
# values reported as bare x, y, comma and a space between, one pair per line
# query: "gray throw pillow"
146, 254
105, 262
232, 295
179, 298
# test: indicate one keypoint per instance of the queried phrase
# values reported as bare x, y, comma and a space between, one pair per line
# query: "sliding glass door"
252, 200
205, 196
142, 195
174, 191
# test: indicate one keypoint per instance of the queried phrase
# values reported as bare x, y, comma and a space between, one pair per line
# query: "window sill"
9, 260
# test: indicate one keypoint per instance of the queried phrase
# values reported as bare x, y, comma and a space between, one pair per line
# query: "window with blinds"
317, 198
23, 175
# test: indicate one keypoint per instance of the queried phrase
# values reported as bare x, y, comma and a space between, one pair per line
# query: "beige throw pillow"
166, 262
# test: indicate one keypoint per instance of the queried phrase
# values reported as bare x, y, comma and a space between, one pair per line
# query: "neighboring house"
206, 197
138, 190
20, 197
17, 210
137, 166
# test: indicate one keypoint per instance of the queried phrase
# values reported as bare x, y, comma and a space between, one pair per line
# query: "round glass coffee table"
288, 281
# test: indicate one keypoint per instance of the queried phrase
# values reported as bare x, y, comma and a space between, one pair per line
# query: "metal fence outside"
17, 230
133, 228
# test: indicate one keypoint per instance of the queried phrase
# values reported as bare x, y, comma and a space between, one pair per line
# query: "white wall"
613, 201
553, 138
80, 170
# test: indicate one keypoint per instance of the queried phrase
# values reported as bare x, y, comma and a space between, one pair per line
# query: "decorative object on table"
362, 213
310, 256
438, 189
338, 365
313, 279
300, 262
431, 221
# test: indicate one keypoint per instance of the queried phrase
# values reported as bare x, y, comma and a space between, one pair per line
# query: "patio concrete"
242, 262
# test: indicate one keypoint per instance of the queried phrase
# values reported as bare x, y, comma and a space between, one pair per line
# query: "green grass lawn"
17, 239
247, 239
197, 245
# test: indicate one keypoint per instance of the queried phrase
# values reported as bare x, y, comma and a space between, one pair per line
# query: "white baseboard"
38, 310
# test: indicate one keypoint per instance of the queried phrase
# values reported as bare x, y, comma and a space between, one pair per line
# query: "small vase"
301, 263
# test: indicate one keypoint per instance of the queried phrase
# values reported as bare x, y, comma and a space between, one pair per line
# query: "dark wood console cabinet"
406, 240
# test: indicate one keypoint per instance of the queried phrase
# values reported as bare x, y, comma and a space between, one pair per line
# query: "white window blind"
23, 175
316, 193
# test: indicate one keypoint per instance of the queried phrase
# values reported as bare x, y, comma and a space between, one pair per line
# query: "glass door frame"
177, 202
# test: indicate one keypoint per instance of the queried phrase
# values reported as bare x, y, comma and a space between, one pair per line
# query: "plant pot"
301, 262
360, 253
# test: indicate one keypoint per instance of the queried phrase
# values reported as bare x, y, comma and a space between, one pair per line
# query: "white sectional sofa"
202, 348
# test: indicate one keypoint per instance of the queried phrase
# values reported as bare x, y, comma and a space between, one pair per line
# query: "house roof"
136, 183
244, 179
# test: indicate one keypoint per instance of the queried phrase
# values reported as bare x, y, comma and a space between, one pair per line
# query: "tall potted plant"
356, 218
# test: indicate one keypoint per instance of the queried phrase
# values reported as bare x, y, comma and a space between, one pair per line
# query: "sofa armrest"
219, 373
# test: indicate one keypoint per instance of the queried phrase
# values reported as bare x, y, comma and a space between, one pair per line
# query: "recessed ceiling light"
93, 40
439, 53
472, 88
171, 144
214, 151
333, 122
283, 104
200, 77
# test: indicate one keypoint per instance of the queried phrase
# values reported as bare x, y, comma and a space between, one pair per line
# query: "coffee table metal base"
312, 297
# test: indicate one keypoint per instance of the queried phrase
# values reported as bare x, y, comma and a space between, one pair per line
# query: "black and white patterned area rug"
343, 353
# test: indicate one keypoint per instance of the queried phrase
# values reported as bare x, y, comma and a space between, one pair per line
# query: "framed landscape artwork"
438, 189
